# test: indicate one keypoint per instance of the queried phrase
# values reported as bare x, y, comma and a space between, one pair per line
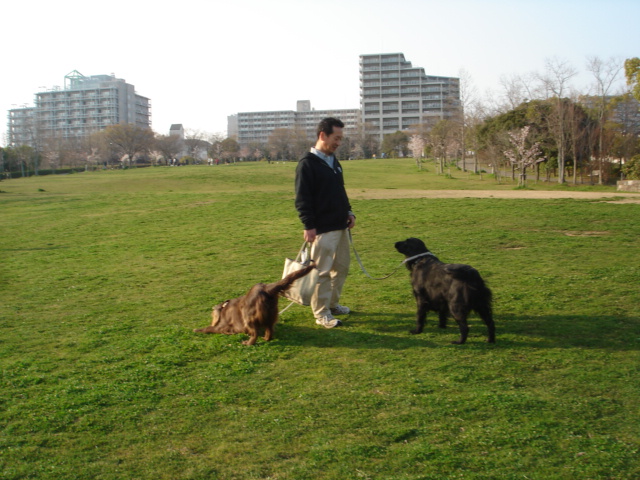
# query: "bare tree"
168, 146
196, 143
279, 143
288, 144
442, 139
605, 74
556, 82
129, 140
468, 98
518, 89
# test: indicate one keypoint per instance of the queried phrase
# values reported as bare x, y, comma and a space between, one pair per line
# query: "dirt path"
382, 194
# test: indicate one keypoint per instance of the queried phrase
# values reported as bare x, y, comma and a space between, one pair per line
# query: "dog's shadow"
391, 331
384, 330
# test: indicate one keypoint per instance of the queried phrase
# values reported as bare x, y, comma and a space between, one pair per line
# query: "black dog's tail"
283, 285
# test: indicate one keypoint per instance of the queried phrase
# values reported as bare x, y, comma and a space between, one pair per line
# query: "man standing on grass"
325, 212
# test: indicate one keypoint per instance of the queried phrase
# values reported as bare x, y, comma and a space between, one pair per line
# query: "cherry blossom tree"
521, 155
416, 146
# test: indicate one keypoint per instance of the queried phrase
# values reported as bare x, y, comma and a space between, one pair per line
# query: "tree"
631, 169
128, 140
196, 143
416, 146
632, 73
521, 155
605, 74
229, 149
517, 89
288, 144
168, 146
467, 102
366, 144
556, 80
442, 138
279, 143
395, 144
26, 157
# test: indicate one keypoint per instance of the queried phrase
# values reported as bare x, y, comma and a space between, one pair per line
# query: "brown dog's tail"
283, 285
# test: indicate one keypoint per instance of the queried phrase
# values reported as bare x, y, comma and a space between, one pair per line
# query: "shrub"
631, 169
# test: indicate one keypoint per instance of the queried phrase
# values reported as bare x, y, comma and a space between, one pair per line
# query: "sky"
199, 61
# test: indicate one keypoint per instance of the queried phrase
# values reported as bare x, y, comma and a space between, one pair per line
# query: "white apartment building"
85, 105
394, 95
256, 127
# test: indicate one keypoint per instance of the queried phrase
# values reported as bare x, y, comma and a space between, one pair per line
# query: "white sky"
200, 61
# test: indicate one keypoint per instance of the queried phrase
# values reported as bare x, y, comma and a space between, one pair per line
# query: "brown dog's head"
411, 247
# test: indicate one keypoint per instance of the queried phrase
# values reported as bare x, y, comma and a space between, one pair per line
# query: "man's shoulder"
309, 158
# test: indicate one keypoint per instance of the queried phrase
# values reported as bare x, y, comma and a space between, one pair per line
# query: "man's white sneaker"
340, 310
328, 321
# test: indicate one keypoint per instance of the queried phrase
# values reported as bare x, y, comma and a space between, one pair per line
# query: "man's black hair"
326, 125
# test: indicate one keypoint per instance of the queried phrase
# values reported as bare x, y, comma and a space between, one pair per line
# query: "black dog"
446, 288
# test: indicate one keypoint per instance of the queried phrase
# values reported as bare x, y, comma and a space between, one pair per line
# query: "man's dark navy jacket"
321, 199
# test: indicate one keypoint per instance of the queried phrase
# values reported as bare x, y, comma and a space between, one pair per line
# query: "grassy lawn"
103, 276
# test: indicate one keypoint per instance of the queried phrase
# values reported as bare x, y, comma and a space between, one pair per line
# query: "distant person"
325, 212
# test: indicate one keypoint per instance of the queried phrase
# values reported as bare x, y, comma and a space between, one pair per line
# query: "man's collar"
329, 159
320, 154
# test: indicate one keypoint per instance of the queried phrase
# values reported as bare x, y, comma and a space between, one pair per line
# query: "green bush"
631, 169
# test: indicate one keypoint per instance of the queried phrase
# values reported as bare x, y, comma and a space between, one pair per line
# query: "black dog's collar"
417, 256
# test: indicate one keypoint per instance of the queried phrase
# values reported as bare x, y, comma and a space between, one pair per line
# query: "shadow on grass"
391, 331
570, 331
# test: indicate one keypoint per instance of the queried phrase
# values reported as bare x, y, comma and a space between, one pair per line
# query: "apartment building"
256, 127
395, 95
85, 105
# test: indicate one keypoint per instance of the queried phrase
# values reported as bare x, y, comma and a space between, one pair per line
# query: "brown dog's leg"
268, 333
209, 329
253, 336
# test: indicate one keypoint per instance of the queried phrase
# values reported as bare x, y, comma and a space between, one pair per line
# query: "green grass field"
103, 276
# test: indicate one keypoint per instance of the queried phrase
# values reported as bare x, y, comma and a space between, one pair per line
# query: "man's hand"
310, 235
351, 222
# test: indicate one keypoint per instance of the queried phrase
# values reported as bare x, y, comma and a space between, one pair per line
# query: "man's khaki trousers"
330, 251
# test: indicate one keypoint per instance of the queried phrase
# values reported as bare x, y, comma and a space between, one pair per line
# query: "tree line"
539, 127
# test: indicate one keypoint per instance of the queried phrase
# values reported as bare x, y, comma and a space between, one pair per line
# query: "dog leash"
285, 308
364, 270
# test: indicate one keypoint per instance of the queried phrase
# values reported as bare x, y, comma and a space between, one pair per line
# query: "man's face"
331, 142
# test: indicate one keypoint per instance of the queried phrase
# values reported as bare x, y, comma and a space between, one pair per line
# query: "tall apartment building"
256, 127
394, 95
85, 105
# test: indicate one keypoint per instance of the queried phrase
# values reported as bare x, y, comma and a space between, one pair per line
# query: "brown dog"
256, 310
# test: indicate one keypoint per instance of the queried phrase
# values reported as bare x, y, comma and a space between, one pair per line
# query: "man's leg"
323, 252
340, 267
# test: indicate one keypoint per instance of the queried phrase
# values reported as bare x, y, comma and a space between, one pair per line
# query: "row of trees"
539, 122
120, 145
